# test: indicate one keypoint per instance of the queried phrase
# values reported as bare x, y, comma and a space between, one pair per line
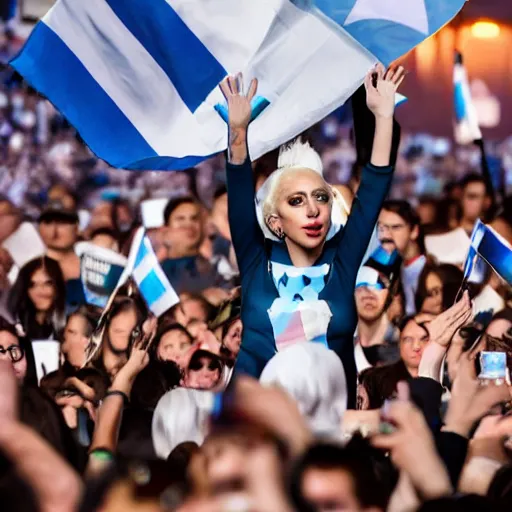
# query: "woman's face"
75, 340
233, 338
303, 205
173, 345
120, 329
433, 302
41, 291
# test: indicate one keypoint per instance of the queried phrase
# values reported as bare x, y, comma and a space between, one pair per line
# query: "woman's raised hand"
239, 104
239, 115
381, 86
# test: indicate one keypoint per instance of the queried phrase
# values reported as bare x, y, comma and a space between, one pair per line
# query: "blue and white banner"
148, 275
467, 129
493, 249
138, 78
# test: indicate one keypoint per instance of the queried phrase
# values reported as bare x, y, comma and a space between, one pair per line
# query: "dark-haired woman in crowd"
162, 373
438, 286
37, 299
123, 326
37, 303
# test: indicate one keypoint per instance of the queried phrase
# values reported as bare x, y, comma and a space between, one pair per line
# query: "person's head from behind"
474, 200
106, 238
371, 294
172, 343
79, 327
11, 349
413, 340
320, 396
203, 371
39, 290
399, 228
184, 223
192, 307
438, 286
332, 478
297, 201
58, 227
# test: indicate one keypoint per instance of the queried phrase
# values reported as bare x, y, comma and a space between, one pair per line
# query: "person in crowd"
474, 202
182, 262
58, 227
376, 283
37, 304
202, 368
330, 477
122, 327
79, 328
321, 396
163, 372
37, 298
192, 307
438, 287
399, 229
296, 208
105, 237
227, 328
36, 409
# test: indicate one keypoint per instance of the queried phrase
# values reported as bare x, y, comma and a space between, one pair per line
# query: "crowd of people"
325, 351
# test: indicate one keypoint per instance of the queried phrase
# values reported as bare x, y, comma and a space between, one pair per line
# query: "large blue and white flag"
493, 249
467, 129
138, 78
144, 268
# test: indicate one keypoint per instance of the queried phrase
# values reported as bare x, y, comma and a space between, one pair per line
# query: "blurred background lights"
485, 29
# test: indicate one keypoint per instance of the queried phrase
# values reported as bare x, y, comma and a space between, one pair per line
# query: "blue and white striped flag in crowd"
138, 78
467, 129
493, 249
144, 268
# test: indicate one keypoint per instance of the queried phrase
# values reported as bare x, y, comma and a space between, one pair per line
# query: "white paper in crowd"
152, 212
46, 356
25, 244
84, 217
451, 247
112, 257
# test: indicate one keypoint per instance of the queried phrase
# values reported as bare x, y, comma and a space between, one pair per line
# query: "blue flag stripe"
151, 288
114, 137
190, 66
459, 102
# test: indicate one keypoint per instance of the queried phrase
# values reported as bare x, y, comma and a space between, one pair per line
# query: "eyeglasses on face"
15, 352
394, 228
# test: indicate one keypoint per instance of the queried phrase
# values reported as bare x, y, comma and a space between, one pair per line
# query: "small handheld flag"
493, 249
467, 129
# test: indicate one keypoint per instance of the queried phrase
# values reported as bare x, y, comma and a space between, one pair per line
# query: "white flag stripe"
147, 97
240, 27
143, 268
164, 303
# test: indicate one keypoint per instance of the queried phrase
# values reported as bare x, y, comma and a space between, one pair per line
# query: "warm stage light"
485, 29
